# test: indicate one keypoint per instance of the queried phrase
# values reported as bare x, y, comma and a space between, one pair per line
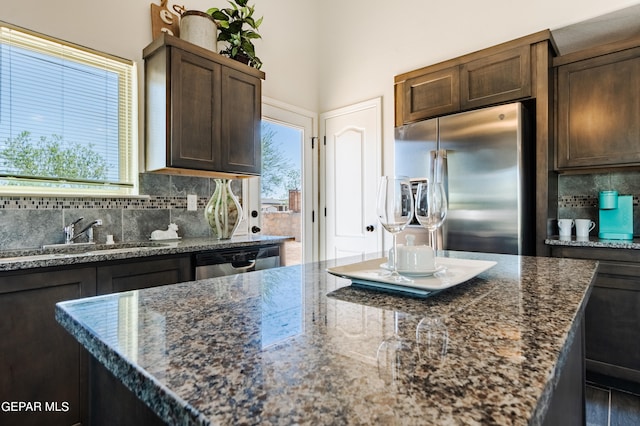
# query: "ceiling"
619, 25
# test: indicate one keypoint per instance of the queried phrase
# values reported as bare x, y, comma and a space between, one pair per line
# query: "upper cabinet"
202, 111
501, 77
428, 94
598, 121
491, 76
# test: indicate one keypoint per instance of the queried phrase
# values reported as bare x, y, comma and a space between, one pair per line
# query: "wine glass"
395, 211
394, 357
432, 338
431, 208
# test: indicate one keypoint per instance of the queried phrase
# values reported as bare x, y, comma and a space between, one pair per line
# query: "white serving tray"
370, 274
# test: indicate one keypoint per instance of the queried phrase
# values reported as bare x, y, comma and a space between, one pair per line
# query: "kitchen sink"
56, 251
32, 257
90, 248
113, 250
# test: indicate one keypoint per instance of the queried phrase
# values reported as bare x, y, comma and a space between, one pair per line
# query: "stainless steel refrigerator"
488, 173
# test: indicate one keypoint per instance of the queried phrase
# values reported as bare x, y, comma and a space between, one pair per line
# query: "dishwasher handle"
243, 266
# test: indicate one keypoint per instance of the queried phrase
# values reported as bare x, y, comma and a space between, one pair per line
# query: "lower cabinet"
612, 322
40, 363
612, 315
144, 273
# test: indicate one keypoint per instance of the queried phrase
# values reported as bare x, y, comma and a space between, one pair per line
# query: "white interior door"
352, 165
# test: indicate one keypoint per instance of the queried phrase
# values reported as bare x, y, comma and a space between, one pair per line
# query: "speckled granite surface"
594, 242
11, 260
297, 345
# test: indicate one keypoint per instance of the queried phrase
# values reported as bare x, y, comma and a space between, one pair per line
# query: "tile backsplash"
28, 222
578, 195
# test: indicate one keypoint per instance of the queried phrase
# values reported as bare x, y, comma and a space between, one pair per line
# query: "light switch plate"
192, 202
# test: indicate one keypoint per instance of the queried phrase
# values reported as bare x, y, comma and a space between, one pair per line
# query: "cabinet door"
195, 112
432, 94
135, 275
599, 111
40, 361
241, 149
502, 77
612, 318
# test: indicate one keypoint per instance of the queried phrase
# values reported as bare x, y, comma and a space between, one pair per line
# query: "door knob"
371, 228
255, 229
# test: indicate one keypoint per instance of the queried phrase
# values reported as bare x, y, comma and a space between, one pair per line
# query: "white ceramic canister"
200, 29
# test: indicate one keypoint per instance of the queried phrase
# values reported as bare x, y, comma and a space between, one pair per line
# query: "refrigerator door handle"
438, 170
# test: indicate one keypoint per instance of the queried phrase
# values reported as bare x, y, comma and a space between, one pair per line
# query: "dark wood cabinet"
241, 149
612, 318
431, 94
612, 315
599, 107
40, 362
195, 109
501, 77
143, 273
202, 111
491, 76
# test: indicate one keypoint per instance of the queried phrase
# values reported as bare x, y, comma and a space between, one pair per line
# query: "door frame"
307, 121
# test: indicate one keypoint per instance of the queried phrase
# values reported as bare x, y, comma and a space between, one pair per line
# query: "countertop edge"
194, 245
593, 242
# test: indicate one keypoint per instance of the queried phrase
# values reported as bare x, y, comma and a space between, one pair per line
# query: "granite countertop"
297, 345
573, 241
11, 260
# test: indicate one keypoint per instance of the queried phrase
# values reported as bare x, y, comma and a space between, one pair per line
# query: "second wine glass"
395, 210
431, 208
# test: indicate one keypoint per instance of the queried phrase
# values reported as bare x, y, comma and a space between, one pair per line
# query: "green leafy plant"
238, 29
52, 158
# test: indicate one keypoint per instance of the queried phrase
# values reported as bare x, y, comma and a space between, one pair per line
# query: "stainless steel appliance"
488, 171
217, 263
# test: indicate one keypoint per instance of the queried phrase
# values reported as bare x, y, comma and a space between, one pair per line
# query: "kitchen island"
297, 345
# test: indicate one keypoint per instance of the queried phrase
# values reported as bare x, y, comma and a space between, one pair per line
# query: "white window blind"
66, 117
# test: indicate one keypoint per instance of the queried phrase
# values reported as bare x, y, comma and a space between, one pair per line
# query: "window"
66, 118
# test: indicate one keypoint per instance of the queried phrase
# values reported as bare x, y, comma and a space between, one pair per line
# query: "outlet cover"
192, 202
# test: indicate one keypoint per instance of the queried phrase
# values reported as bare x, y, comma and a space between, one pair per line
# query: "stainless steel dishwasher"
218, 263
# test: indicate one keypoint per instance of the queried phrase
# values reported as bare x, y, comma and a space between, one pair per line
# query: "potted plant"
238, 29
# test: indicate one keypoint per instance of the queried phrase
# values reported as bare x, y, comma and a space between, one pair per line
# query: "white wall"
323, 54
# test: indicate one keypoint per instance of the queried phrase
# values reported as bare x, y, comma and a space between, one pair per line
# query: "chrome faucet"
87, 230
69, 231
70, 235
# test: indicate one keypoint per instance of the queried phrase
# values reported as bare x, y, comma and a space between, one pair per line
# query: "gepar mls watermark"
34, 406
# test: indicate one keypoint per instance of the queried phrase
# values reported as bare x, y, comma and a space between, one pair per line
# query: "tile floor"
608, 406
